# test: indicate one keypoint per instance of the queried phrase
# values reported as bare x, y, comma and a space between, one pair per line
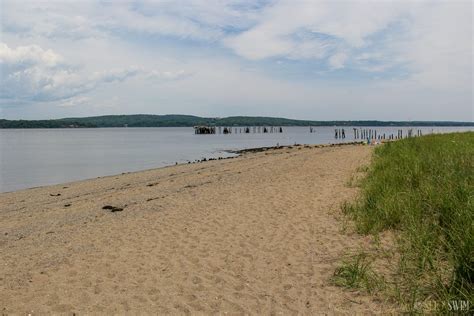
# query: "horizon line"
233, 116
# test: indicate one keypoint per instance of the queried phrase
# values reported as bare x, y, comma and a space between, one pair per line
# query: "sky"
302, 59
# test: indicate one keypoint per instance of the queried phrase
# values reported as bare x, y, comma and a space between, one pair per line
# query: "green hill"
145, 120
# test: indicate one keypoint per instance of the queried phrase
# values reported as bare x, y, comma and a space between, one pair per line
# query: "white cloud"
328, 25
194, 19
52, 19
31, 73
74, 101
27, 55
439, 46
116, 75
168, 75
430, 41
337, 60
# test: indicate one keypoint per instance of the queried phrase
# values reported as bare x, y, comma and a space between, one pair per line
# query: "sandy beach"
257, 234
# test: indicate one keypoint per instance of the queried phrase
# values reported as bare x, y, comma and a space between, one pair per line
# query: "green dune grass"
423, 188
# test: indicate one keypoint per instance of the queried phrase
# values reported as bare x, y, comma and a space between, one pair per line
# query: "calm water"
37, 157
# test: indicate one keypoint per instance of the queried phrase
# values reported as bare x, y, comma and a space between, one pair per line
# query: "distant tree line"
44, 124
143, 120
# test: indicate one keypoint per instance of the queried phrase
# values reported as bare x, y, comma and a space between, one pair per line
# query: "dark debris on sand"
112, 209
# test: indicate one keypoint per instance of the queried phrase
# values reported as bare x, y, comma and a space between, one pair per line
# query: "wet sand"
261, 233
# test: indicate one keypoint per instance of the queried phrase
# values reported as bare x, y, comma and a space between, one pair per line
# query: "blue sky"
321, 60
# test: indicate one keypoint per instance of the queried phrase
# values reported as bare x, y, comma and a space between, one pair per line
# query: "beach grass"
423, 189
357, 273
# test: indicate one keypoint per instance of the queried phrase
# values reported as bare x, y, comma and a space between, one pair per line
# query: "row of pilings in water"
373, 134
237, 130
339, 133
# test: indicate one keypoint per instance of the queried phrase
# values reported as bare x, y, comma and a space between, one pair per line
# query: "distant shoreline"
142, 120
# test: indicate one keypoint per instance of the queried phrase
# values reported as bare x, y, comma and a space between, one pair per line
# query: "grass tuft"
357, 273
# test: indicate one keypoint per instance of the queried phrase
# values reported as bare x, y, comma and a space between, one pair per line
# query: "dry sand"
258, 234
